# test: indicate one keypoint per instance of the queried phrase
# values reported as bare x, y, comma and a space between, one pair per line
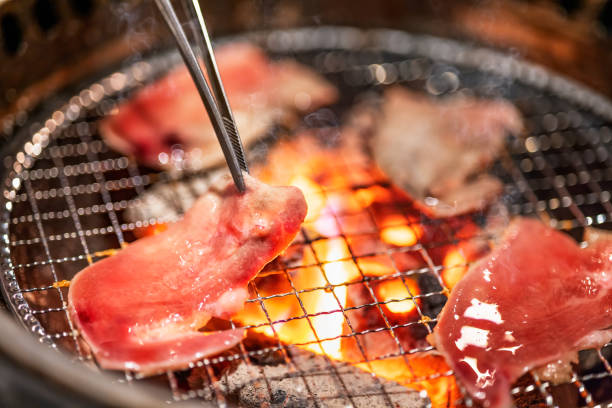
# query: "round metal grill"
66, 197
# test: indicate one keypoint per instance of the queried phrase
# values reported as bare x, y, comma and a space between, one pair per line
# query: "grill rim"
436, 48
57, 370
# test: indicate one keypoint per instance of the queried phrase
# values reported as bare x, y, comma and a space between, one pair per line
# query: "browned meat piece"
436, 150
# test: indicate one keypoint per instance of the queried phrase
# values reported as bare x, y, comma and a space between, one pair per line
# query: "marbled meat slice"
170, 112
436, 150
141, 308
535, 299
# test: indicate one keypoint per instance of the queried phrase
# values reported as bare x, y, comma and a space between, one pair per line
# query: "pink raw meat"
536, 298
141, 308
170, 112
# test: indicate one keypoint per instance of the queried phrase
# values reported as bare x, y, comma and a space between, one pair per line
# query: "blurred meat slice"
534, 301
474, 195
437, 150
170, 112
141, 309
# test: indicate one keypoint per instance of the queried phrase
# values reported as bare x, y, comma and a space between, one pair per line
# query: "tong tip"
239, 181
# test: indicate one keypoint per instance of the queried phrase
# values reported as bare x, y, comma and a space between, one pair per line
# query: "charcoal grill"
66, 197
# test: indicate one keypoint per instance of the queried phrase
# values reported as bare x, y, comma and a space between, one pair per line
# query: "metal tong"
217, 107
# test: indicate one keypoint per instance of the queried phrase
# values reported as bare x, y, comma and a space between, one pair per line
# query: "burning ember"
399, 295
457, 260
354, 272
395, 232
455, 266
150, 230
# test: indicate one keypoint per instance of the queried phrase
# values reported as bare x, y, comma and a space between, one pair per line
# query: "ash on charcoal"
313, 381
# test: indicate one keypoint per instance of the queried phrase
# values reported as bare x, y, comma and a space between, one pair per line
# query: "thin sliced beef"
437, 150
141, 308
532, 302
169, 113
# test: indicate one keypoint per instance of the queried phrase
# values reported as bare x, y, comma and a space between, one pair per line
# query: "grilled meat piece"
435, 150
169, 113
141, 308
534, 300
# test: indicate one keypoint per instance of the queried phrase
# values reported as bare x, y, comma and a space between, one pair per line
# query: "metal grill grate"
66, 196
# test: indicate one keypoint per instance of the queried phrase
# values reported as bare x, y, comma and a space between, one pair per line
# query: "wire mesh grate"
69, 200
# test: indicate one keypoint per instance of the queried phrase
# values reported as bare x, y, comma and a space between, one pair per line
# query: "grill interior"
67, 196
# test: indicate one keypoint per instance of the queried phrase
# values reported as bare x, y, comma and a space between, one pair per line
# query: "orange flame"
399, 295
277, 307
457, 260
455, 266
312, 193
396, 231
329, 303
370, 195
